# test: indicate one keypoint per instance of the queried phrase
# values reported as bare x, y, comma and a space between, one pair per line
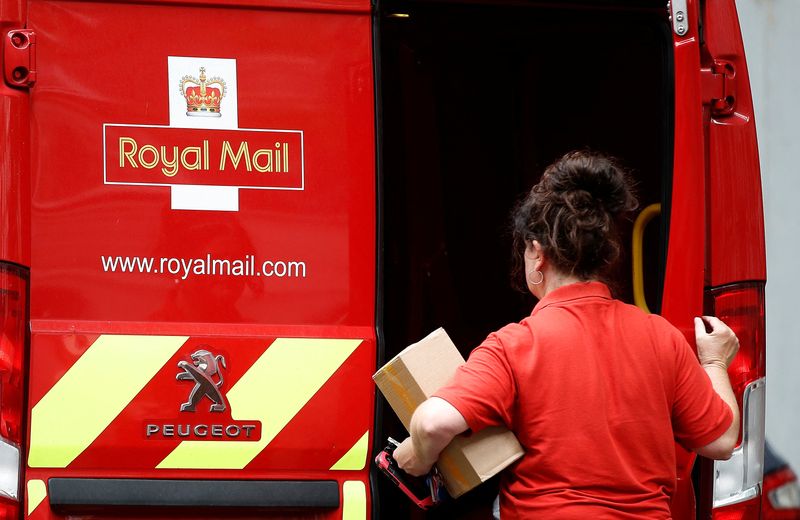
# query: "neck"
553, 280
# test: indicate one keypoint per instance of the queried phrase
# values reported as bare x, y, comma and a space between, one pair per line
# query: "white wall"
772, 44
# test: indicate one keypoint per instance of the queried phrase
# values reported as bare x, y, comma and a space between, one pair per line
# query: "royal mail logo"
166, 156
203, 155
202, 98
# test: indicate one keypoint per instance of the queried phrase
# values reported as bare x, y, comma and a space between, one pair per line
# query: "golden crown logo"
202, 99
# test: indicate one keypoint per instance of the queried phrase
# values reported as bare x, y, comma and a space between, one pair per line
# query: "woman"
596, 390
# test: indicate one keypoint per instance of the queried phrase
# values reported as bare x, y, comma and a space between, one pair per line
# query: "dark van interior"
475, 100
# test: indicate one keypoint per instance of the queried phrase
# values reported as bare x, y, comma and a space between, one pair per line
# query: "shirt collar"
573, 291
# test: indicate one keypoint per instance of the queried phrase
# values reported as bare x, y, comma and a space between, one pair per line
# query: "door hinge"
679, 16
19, 58
719, 87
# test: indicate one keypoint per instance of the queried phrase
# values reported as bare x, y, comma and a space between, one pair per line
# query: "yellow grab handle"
644, 218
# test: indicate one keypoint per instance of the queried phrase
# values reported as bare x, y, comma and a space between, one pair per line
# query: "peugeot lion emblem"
202, 370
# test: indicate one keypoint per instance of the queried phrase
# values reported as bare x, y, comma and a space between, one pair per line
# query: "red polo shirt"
597, 392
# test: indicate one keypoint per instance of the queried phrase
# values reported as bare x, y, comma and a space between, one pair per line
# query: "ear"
534, 253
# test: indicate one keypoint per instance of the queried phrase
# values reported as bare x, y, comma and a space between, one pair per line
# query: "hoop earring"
539, 281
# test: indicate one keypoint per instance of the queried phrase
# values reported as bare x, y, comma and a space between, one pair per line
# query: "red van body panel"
736, 250
14, 167
279, 290
321, 86
683, 279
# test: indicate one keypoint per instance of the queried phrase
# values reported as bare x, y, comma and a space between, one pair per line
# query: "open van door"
736, 261
723, 158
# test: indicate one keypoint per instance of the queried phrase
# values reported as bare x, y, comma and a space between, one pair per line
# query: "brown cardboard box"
414, 375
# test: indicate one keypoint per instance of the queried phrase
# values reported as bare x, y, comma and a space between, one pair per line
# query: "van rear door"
202, 259
736, 257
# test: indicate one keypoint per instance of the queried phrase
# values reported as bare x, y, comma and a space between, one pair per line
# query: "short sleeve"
699, 415
483, 388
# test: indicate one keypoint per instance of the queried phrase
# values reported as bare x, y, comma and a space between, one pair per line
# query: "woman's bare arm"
433, 425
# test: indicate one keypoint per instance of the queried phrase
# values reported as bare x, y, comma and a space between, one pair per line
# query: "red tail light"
741, 306
13, 338
737, 485
749, 510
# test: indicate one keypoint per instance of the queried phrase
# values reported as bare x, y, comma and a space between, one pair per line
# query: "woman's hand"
407, 459
718, 347
716, 350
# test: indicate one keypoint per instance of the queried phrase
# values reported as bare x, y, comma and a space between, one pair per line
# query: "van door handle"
637, 258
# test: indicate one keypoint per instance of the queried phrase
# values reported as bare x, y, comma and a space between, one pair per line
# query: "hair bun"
585, 179
572, 211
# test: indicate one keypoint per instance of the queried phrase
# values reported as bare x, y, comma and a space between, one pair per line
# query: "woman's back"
596, 384
594, 406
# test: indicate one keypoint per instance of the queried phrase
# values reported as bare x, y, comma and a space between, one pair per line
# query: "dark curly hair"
572, 213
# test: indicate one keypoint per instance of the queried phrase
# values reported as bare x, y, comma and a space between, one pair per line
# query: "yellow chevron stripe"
273, 390
37, 492
354, 493
356, 457
92, 393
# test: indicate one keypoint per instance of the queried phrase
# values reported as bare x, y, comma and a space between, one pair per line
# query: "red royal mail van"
220, 216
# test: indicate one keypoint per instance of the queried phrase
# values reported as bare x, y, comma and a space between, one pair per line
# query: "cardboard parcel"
413, 376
